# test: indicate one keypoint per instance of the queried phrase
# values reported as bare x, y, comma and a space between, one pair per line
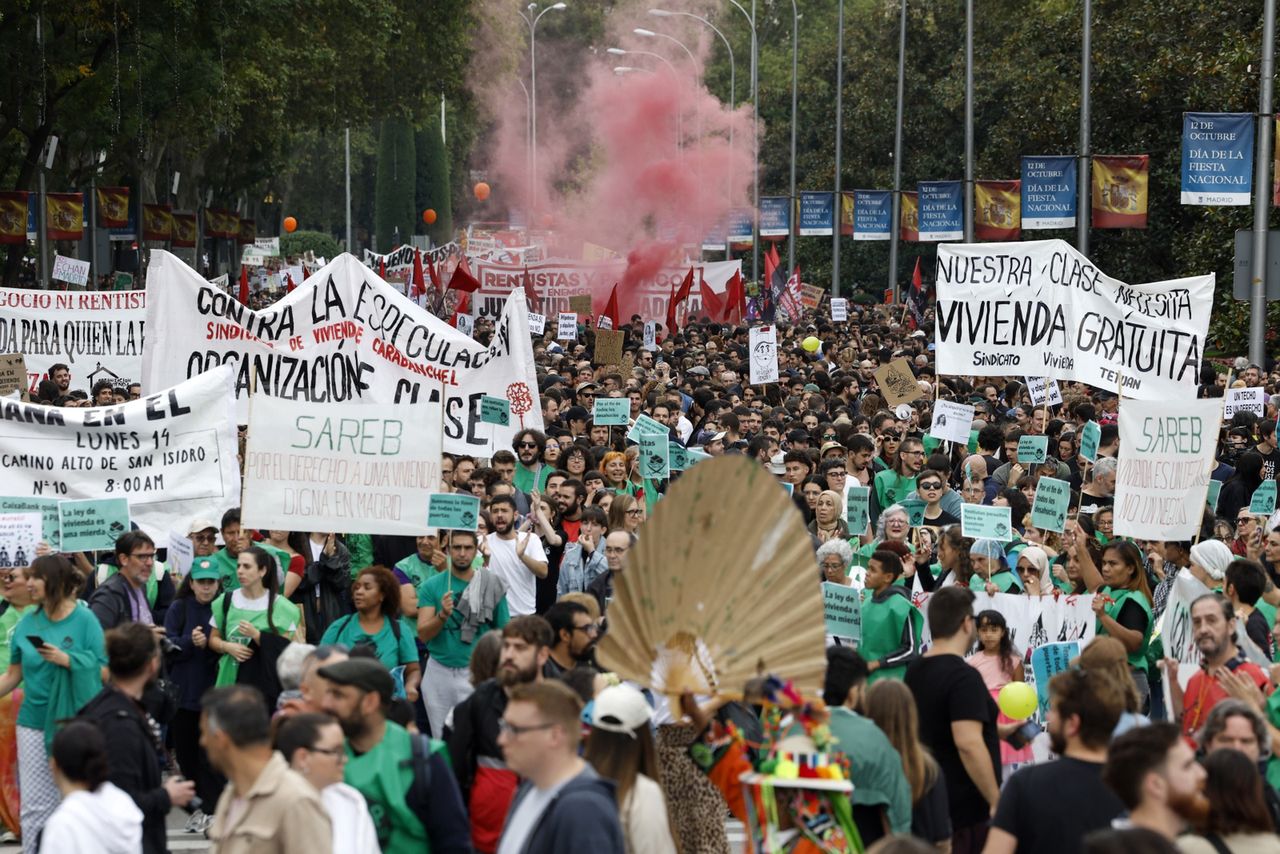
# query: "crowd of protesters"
324, 691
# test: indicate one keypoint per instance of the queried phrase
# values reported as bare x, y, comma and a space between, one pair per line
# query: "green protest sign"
655, 456
645, 424
842, 610
48, 510
92, 524
1263, 502
679, 456
696, 456
453, 510
1089, 438
1053, 502
611, 411
986, 523
858, 509
1033, 449
915, 510
1211, 497
495, 410
973, 441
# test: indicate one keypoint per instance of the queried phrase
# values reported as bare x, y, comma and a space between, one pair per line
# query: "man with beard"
518, 558
1155, 774
413, 799
530, 472
1224, 671
575, 636
487, 783
1050, 807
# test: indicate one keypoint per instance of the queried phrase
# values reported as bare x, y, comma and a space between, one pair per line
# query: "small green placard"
696, 456
1211, 497
1089, 438
1033, 449
1263, 502
915, 510
1053, 502
842, 610
611, 411
645, 424
655, 456
678, 456
986, 523
858, 509
973, 441
48, 510
495, 410
93, 524
453, 511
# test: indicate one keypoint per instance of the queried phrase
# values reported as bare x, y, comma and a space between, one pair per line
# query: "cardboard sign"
650, 335
839, 310
608, 348
19, 534
1053, 502
842, 610
179, 553
1211, 497
897, 383
1244, 400
70, 270
986, 523
857, 509
580, 304
566, 327
1090, 436
1033, 449
92, 524
763, 354
453, 511
13, 375
611, 411
655, 456
951, 422
1263, 501
537, 323
495, 410
1044, 391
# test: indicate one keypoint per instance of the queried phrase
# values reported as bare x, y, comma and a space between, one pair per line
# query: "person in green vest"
226, 559
428, 560
377, 623
892, 485
243, 616
531, 472
891, 625
412, 793
1122, 601
991, 569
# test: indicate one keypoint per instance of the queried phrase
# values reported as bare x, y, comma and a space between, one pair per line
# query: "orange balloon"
482, 191
290, 224
429, 216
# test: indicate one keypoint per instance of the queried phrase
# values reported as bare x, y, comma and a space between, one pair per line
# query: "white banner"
171, 454
1041, 308
98, 334
345, 336
1175, 625
764, 354
1245, 400
951, 422
1163, 478
70, 270
1033, 620
361, 468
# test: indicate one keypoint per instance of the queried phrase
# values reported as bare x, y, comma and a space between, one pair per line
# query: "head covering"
202, 569
1039, 560
1213, 555
367, 674
989, 549
620, 709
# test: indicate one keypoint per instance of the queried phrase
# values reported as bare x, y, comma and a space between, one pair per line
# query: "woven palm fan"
722, 587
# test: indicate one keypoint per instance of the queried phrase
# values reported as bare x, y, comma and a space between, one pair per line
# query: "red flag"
735, 299
382, 267
611, 309
771, 262
677, 297
306, 274
419, 281
686, 287
530, 294
711, 305
671, 312
888, 296
435, 276
288, 279
462, 280
244, 285
916, 280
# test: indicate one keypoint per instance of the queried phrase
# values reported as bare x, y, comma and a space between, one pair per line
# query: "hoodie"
583, 816
102, 822
891, 628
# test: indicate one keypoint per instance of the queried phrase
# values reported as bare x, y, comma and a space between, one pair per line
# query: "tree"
394, 217
434, 189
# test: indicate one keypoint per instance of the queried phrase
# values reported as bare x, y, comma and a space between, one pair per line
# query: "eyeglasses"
590, 629
511, 729
527, 445
204, 538
828, 437
336, 752
635, 511
933, 484
615, 550
144, 555
911, 453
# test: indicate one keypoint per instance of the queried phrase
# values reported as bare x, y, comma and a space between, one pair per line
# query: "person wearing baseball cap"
203, 533
405, 778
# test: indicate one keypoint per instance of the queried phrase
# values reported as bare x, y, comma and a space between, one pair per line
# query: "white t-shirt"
243, 603
506, 564
525, 817
352, 827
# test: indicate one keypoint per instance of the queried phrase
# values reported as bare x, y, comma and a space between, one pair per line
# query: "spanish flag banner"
247, 232
184, 230
157, 222
65, 215
217, 223
13, 216
113, 207
997, 211
909, 217
846, 214
1119, 197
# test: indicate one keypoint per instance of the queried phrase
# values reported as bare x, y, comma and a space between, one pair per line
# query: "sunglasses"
527, 445
933, 484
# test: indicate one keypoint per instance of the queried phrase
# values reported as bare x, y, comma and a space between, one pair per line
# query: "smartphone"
35, 640
1024, 734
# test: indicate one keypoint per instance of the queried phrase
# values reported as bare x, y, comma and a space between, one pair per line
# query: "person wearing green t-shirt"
241, 617
991, 569
59, 674
377, 623
531, 472
893, 485
891, 625
428, 560
226, 558
18, 598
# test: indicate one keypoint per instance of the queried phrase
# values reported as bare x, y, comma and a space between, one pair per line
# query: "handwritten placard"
453, 511
897, 383
842, 610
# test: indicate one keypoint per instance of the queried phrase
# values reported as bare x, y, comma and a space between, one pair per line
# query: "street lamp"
755, 153
532, 20
528, 145
795, 54
617, 51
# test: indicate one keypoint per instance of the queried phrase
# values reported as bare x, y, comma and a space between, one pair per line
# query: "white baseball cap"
621, 709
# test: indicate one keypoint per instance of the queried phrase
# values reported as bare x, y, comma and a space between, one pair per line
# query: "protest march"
415, 467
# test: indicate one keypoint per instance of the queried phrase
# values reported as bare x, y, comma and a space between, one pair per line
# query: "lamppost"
755, 152
532, 20
528, 145
617, 51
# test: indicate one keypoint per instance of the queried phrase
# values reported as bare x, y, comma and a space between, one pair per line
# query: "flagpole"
896, 214
1083, 175
968, 121
1261, 189
837, 209
791, 200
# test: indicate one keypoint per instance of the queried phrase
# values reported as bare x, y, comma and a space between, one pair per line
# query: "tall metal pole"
791, 200
350, 245
1084, 176
528, 149
895, 223
968, 121
1262, 190
93, 233
40, 167
533, 91
837, 206
755, 128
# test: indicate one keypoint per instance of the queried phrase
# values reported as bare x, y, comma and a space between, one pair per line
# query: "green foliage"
301, 242
393, 207
433, 190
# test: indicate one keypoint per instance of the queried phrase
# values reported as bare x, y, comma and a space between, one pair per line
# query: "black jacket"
133, 756
110, 602
474, 734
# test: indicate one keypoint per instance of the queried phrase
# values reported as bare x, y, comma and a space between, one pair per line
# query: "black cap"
575, 413
367, 674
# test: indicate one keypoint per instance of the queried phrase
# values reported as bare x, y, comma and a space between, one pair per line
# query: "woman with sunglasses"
931, 485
